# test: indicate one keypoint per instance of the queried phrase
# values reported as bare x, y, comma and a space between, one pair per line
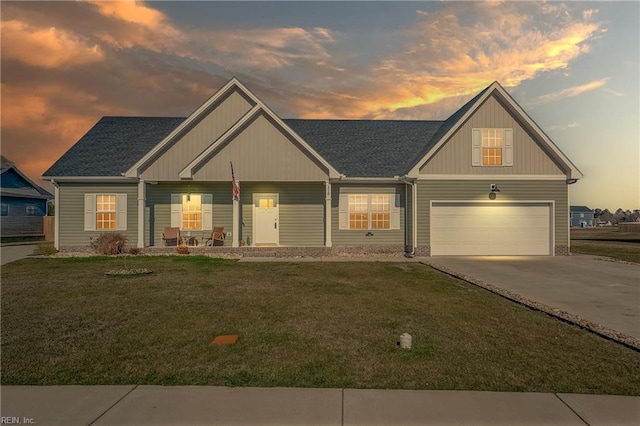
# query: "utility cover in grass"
226, 339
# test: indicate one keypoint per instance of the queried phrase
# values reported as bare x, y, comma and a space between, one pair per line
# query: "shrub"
134, 250
182, 250
109, 243
44, 250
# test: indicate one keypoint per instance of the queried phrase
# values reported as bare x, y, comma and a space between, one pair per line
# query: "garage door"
490, 229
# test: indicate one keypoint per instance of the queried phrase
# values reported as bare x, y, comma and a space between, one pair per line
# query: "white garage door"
490, 229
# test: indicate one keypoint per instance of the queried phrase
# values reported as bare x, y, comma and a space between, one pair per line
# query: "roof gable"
457, 119
16, 184
258, 107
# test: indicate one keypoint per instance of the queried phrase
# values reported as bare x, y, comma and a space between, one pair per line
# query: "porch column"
142, 201
235, 230
327, 214
56, 217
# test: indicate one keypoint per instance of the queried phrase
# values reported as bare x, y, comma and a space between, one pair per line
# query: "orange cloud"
444, 58
46, 47
130, 11
137, 24
37, 128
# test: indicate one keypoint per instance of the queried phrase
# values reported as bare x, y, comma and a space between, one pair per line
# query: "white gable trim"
187, 172
333, 173
134, 171
574, 173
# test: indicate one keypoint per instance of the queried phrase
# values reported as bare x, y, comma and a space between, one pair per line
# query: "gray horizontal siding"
455, 155
301, 211
71, 212
478, 190
357, 237
21, 226
158, 208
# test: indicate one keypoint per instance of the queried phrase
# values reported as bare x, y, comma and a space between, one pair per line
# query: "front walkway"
197, 405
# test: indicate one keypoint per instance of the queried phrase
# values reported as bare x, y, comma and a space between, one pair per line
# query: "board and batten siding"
219, 119
262, 152
358, 237
301, 211
158, 208
478, 190
455, 155
71, 212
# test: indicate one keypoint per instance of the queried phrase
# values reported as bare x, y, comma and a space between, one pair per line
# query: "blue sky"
574, 67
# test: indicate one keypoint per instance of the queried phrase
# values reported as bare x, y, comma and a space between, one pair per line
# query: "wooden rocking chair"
217, 237
171, 236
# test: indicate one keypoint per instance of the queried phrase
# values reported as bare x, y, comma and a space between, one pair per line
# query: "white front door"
266, 219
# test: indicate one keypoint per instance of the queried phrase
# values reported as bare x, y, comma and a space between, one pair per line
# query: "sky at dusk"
573, 66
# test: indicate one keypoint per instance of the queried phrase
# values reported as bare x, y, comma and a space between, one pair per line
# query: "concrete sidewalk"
203, 405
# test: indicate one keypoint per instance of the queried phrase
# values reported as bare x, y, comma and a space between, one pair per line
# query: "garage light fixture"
494, 190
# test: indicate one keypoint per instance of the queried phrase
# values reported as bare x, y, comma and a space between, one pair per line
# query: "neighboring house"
22, 202
581, 216
485, 181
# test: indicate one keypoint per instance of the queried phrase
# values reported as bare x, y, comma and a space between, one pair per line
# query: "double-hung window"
105, 212
369, 211
192, 212
492, 147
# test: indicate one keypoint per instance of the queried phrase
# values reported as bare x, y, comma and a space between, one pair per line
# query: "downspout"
569, 182
406, 233
56, 217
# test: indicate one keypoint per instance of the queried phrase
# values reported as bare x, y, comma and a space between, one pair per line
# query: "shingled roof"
366, 148
362, 148
113, 145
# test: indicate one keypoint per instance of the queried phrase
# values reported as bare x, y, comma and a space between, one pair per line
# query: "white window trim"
394, 212
90, 210
207, 211
476, 147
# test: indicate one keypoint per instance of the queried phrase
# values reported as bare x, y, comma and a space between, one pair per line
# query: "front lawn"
300, 324
627, 251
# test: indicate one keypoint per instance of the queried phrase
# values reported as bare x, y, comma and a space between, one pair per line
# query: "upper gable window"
492, 147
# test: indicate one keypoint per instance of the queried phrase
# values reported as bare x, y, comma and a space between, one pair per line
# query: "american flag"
236, 188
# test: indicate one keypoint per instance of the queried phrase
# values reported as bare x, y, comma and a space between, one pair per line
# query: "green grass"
300, 324
629, 252
606, 241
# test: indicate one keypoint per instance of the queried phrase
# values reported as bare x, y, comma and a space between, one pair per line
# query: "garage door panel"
490, 229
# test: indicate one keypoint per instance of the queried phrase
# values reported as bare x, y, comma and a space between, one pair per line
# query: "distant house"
22, 203
485, 181
581, 216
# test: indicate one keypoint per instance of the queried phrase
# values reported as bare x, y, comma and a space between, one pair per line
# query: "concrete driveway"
607, 293
11, 253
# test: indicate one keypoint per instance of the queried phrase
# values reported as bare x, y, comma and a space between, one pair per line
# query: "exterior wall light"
494, 190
